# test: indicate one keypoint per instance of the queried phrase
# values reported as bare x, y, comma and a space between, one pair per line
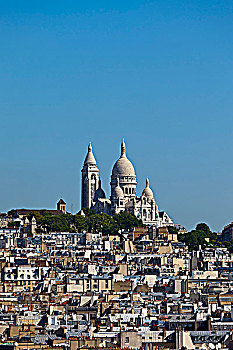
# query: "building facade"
123, 190
90, 179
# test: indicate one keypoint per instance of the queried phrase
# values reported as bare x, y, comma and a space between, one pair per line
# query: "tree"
203, 227
105, 223
194, 239
90, 221
80, 222
87, 212
126, 221
198, 237
37, 214
13, 213
49, 222
172, 230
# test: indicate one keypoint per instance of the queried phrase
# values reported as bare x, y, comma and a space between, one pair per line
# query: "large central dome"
123, 166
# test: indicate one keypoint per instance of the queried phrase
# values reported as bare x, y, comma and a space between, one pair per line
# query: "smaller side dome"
117, 191
147, 191
90, 159
99, 193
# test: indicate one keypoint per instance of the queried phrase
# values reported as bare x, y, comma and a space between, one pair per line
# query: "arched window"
93, 186
151, 214
126, 190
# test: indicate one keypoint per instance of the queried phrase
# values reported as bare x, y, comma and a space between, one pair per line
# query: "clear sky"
158, 73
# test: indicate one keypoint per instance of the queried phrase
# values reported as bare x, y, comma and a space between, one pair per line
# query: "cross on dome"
123, 148
90, 159
147, 190
123, 166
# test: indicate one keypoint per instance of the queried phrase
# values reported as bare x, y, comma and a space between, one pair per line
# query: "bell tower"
90, 179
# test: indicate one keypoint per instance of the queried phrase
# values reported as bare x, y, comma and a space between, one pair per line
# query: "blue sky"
158, 73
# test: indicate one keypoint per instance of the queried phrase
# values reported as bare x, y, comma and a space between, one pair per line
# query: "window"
127, 340
93, 185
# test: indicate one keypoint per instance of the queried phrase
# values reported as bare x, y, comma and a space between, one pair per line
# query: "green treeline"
94, 223
91, 222
202, 236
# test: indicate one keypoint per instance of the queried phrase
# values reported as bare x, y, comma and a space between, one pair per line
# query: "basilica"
123, 191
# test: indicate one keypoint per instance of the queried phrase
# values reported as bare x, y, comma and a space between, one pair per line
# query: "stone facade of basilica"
123, 191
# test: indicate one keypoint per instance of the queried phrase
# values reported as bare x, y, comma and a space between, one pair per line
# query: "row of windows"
129, 190
126, 178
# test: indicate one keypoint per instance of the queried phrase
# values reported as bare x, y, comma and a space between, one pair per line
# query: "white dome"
90, 159
117, 191
147, 191
123, 166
